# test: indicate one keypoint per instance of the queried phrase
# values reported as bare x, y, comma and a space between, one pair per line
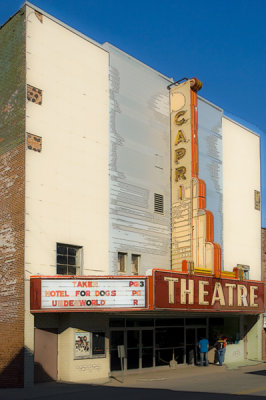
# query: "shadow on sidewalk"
260, 372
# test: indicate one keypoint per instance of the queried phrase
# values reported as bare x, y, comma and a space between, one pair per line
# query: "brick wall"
12, 266
12, 199
263, 267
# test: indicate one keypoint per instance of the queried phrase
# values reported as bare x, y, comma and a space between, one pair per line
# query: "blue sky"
222, 42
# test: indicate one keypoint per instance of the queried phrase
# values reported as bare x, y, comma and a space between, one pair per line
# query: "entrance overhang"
163, 290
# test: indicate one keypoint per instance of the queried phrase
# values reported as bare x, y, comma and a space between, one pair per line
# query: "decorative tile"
34, 142
34, 94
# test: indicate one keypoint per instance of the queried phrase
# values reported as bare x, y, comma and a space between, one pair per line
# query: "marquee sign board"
177, 291
84, 294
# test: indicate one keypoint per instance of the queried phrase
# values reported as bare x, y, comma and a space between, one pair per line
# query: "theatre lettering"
180, 291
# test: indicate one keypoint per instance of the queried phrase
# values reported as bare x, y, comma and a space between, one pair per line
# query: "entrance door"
133, 349
191, 346
147, 348
117, 339
193, 336
45, 355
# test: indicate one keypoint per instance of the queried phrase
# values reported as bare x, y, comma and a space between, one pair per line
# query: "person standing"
220, 346
204, 348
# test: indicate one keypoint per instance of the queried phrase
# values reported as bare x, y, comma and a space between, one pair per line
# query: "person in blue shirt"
204, 348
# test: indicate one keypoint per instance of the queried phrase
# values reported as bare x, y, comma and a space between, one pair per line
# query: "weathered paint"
139, 162
185, 292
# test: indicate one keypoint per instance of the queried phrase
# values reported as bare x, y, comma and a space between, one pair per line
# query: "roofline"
138, 61
27, 3
241, 125
210, 103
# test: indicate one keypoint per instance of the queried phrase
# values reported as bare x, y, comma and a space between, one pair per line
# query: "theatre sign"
177, 291
162, 290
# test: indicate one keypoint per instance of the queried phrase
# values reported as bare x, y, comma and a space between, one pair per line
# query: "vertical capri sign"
192, 224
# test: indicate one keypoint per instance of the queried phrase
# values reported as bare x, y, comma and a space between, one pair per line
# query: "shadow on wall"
40, 375
13, 374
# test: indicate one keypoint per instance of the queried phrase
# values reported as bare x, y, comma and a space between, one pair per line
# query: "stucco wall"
87, 369
241, 177
67, 181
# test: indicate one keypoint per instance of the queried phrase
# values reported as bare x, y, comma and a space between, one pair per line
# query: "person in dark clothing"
220, 346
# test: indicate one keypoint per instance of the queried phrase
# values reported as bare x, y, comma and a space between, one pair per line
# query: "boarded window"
122, 258
135, 261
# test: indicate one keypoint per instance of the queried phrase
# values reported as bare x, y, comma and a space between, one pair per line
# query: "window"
158, 203
243, 271
68, 259
122, 258
135, 261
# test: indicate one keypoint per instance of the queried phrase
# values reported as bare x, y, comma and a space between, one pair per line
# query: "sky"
221, 42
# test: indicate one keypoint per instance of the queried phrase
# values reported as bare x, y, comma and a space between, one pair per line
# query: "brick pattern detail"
34, 142
263, 275
12, 203
34, 94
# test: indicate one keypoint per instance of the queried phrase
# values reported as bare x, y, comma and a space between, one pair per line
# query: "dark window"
68, 259
98, 343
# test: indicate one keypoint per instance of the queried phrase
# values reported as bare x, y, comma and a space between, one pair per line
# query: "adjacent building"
130, 222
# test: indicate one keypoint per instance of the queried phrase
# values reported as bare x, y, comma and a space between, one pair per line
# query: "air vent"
158, 203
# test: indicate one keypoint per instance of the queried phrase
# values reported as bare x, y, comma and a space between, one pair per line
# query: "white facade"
67, 188
67, 183
241, 177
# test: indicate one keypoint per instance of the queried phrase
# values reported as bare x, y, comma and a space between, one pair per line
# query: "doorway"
138, 348
155, 342
193, 336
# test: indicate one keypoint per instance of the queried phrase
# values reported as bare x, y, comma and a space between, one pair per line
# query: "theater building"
128, 214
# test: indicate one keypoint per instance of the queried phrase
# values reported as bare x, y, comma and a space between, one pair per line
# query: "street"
186, 382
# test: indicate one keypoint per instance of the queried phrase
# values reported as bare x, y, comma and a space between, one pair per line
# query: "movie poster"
82, 344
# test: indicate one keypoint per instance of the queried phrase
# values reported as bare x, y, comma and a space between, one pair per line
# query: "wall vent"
158, 203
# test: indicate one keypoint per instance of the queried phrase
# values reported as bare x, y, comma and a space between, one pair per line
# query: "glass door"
147, 348
117, 339
133, 349
201, 334
191, 345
